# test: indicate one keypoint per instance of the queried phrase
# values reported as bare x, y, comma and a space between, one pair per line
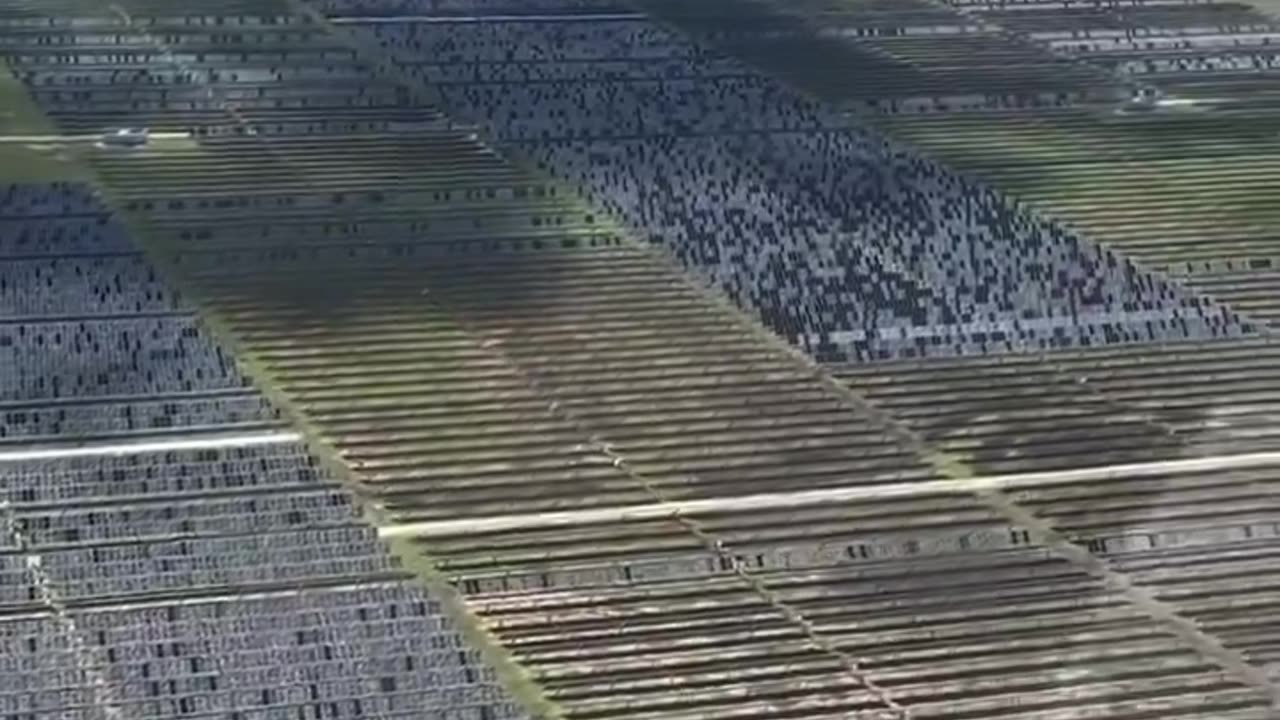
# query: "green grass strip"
33, 161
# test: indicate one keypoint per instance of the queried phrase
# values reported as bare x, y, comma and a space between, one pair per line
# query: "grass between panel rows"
23, 161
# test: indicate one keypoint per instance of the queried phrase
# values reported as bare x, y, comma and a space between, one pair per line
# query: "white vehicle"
1151, 100
126, 137
1144, 100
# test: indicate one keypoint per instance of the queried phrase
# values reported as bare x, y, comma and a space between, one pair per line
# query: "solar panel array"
849, 245
1183, 189
167, 550
660, 508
